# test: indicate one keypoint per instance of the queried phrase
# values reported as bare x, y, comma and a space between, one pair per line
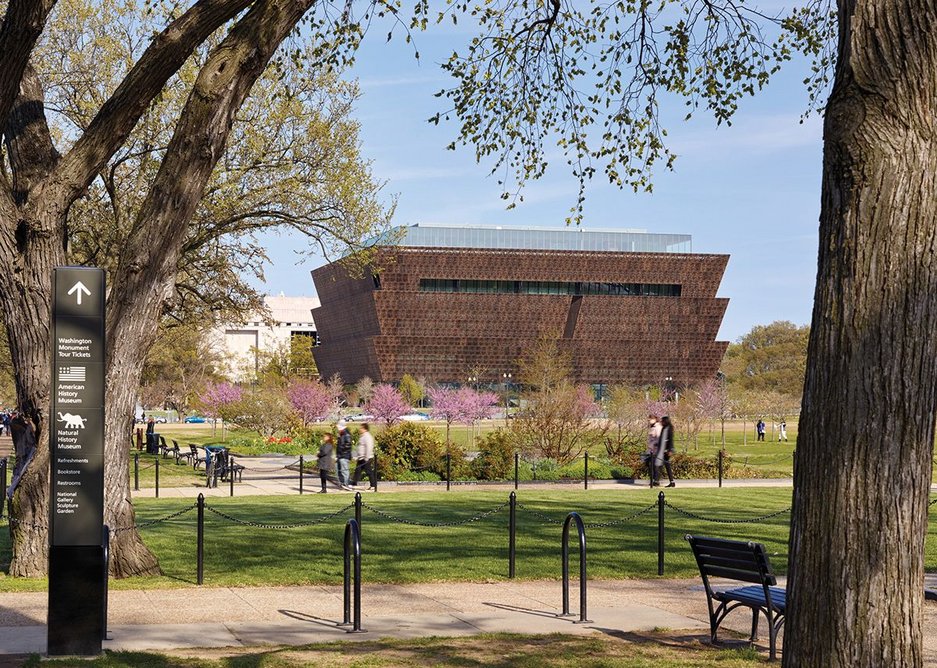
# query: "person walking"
343, 450
664, 449
325, 460
653, 442
761, 430
365, 457
782, 431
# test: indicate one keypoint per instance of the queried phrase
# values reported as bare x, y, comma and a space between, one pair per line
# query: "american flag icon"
72, 374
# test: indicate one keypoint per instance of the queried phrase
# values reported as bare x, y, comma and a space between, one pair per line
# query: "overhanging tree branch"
118, 116
22, 25
29, 143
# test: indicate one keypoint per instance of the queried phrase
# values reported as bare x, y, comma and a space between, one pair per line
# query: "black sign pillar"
77, 584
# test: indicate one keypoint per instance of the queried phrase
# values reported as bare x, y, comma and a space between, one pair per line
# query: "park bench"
164, 448
221, 466
196, 459
179, 454
744, 562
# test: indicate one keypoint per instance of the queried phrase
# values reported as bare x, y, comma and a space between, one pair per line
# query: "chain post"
231, 474
3, 483
585, 474
300, 474
448, 470
136, 471
200, 541
157, 477
352, 548
512, 534
376, 475
517, 457
720, 467
660, 533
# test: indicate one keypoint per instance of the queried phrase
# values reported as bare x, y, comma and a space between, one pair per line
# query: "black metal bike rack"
581, 529
352, 547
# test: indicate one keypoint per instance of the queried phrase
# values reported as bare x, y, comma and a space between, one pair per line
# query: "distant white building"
243, 344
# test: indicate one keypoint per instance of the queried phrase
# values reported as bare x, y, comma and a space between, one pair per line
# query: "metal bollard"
352, 548
231, 474
157, 477
136, 471
512, 534
660, 533
300, 474
448, 470
720, 468
358, 510
517, 457
106, 545
585, 475
581, 530
200, 541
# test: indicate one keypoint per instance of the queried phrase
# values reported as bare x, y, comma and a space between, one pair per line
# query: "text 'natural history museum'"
630, 307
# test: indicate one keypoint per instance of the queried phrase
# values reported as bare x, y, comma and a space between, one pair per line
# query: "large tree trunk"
866, 436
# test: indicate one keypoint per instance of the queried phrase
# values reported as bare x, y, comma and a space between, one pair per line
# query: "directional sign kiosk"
77, 585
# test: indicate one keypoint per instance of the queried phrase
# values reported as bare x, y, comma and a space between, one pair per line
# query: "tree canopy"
769, 358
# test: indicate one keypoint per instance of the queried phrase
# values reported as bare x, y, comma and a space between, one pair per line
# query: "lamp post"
506, 377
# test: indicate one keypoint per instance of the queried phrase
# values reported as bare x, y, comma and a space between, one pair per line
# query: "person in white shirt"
365, 457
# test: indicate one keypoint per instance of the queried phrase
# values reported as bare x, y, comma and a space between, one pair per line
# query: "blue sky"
751, 190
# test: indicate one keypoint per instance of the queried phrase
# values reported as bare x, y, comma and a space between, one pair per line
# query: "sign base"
77, 592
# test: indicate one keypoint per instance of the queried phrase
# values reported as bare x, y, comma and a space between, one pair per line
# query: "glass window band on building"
575, 288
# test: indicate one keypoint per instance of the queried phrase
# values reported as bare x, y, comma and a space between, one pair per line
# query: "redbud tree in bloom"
387, 404
311, 400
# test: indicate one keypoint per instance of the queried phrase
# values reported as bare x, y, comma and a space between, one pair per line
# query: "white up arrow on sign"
79, 287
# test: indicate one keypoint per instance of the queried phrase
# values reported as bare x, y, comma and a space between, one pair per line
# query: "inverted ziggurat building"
451, 303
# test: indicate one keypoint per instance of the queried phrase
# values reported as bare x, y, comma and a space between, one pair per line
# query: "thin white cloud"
385, 82
764, 134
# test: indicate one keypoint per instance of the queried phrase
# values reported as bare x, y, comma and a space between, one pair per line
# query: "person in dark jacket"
344, 454
664, 450
326, 460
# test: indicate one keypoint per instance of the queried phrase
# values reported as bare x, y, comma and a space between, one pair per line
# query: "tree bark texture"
866, 435
34, 206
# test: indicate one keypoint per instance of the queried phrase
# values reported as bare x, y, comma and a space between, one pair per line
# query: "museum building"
451, 302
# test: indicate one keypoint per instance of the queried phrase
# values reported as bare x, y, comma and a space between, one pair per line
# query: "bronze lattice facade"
442, 313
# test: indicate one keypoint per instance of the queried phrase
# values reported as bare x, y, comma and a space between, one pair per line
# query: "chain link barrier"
37, 527
932, 503
149, 523
400, 520
753, 520
281, 468
592, 525
298, 525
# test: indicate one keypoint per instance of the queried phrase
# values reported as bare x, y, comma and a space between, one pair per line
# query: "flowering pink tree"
311, 400
217, 397
387, 403
448, 405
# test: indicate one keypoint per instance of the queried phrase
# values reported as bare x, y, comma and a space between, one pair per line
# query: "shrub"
545, 469
418, 476
599, 469
410, 446
495, 460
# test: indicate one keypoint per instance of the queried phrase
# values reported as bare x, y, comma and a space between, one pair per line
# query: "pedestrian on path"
782, 431
365, 457
653, 442
326, 458
664, 448
344, 454
760, 428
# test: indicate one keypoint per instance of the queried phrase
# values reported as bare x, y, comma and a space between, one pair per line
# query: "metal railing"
581, 530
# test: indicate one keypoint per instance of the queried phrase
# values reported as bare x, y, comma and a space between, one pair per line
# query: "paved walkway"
180, 619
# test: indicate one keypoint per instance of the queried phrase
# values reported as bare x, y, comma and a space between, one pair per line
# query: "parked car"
414, 417
358, 417
159, 419
195, 419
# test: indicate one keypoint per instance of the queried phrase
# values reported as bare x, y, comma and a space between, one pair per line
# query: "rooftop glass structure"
424, 235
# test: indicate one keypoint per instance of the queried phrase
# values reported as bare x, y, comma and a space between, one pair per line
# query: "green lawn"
236, 554
170, 473
651, 650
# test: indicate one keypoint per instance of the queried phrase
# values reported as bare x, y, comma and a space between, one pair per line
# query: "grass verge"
494, 650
